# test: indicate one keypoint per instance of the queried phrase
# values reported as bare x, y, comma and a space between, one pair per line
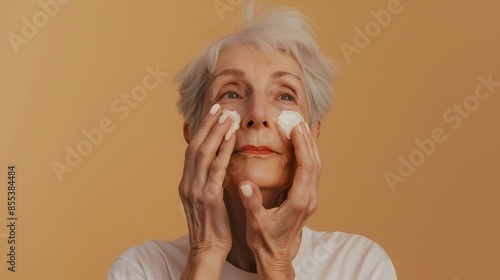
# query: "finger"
207, 151
201, 133
313, 146
251, 198
314, 142
201, 151
304, 154
218, 167
308, 139
302, 194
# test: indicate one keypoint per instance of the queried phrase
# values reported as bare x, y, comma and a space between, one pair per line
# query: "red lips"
259, 150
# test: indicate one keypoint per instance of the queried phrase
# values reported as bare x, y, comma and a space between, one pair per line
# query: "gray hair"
279, 29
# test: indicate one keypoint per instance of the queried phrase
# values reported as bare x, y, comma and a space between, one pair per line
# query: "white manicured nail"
214, 109
223, 117
307, 128
300, 129
246, 190
228, 135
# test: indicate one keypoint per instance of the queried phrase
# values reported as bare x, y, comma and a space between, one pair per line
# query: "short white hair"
279, 29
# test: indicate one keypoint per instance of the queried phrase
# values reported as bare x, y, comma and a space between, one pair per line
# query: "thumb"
250, 197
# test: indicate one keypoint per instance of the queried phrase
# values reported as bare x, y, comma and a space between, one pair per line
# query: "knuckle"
183, 190
217, 166
211, 192
256, 225
300, 205
191, 149
188, 188
202, 153
183, 193
313, 207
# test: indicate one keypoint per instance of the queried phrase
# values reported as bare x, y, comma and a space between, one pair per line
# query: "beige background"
442, 222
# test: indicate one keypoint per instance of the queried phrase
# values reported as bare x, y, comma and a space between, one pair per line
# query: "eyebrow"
279, 74
240, 74
231, 71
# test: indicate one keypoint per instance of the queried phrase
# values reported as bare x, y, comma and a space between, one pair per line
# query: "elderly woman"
253, 102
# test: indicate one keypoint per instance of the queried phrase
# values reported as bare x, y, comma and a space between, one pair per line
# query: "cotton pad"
287, 120
236, 119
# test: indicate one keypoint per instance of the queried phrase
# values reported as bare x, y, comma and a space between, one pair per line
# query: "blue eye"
230, 95
287, 97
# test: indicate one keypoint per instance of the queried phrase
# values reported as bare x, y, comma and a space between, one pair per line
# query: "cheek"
232, 105
304, 111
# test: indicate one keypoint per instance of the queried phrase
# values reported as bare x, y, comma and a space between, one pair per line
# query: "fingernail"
222, 118
307, 129
246, 190
214, 109
228, 135
300, 129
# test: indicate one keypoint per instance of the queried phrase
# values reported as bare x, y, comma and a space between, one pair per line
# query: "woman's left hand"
274, 234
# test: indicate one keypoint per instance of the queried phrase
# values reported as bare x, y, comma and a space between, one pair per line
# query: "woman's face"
258, 87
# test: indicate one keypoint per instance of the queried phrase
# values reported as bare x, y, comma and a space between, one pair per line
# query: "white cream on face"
236, 119
287, 120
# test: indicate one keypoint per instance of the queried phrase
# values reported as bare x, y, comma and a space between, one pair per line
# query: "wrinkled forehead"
243, 56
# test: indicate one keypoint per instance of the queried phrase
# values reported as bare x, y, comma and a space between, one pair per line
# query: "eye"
230, 95
287, 97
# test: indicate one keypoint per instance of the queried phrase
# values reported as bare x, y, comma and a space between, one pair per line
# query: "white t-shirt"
322, 255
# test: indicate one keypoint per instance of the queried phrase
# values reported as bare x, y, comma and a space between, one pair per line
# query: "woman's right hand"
206, 159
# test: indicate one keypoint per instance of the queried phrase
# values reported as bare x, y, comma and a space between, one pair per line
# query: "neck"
240, 254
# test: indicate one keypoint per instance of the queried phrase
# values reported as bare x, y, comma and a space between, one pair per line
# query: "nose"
258, 113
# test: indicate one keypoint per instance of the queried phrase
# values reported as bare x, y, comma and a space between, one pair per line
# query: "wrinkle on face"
259, 87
